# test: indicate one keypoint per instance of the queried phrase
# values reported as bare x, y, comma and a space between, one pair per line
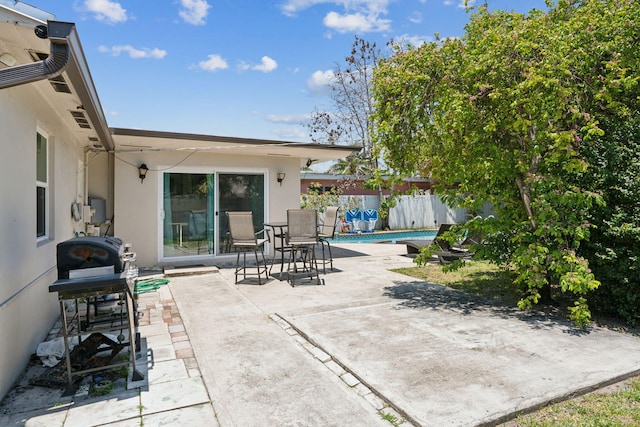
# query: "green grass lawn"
615, 406
479, 278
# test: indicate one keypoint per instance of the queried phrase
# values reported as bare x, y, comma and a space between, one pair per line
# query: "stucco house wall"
100, 167
138, 210
28, 266
30, 104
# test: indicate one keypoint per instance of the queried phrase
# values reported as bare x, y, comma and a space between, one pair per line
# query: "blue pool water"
385, 236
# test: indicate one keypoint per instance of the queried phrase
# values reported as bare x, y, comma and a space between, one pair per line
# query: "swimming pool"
384, 236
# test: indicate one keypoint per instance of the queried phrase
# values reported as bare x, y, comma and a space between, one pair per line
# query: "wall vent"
38, 56
59, 83
80, 119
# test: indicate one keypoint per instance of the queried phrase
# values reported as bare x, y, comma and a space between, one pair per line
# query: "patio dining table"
279, 229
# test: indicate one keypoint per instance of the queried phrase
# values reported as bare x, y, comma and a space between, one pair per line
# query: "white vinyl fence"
423, 211
420, 211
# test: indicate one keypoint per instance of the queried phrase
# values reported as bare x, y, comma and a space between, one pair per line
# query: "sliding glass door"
239, 192
194, 207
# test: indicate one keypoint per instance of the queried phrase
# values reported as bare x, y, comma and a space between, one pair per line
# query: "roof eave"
81, 80
126, 140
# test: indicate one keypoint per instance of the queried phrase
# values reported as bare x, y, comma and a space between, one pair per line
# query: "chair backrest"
197, 223
353, 214
328, 227
370, 214
302, 225
241, 227
444, 245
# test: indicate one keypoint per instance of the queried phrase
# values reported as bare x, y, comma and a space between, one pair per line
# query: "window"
42, 185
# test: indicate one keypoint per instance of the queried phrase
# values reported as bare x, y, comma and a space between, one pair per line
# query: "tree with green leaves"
613, 249
501, 115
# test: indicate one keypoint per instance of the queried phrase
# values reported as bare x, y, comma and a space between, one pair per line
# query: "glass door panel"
239, 192
188, 226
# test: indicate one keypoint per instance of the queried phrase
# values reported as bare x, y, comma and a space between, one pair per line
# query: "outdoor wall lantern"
280, 177
142, 170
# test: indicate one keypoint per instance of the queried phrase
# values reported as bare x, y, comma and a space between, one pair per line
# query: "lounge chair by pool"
354, 216
370, 216
414, 246
446, 255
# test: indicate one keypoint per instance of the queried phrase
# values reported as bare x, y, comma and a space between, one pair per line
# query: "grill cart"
99, 274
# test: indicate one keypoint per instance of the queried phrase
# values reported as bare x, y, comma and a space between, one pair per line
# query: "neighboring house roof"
147, 140
318, 176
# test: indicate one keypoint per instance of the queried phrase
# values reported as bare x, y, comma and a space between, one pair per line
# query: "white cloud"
320, 82
294, 119
355, 22
215, 62
461, 3
266, 65
291, 7
106, 10
357, 15
291, 133
414, 41
415, 18
133, 52
194, 11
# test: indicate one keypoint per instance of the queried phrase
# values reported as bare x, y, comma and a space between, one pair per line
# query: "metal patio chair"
243, 238
327, 231
302, 236
198, 228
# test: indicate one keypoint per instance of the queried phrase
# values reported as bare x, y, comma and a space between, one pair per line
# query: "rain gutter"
58, 34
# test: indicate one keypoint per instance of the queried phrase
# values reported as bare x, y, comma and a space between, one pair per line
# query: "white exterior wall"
100, 182
138, 205
27, 267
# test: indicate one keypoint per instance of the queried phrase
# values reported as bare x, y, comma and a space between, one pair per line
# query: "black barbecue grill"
97, 270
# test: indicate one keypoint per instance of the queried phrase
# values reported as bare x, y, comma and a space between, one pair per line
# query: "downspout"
59, 58
85, 190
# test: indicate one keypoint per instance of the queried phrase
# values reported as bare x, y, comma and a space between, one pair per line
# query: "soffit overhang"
72, 96
136, 140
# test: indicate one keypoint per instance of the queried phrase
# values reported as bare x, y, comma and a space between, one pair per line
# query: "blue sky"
240, 68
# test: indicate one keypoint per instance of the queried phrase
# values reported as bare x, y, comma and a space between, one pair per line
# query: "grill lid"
90, 252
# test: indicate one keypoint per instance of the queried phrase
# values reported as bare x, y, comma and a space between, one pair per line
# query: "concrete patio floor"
367, 347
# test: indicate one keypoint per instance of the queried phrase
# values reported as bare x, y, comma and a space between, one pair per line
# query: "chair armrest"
265, 234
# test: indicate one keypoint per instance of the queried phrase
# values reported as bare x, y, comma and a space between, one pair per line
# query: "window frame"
216, 171
44, 186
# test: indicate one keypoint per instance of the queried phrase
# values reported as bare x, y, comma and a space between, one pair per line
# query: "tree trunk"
545, 295
525, 191
526, 200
